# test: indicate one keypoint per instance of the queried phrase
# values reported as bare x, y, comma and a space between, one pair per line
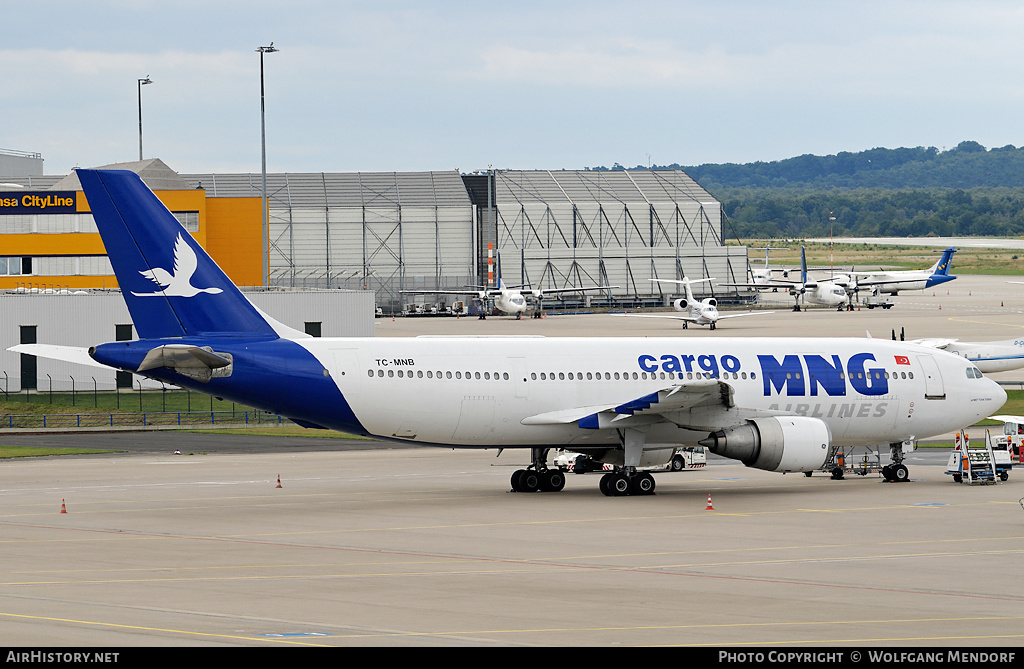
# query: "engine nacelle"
680, 304
712, 302
776, 444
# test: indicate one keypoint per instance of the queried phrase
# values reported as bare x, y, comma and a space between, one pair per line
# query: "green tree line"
968, 190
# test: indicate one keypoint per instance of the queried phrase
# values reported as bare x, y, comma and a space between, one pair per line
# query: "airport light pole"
142, 82
263, 143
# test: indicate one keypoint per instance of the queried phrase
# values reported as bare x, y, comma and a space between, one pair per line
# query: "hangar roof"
599, 186
341, 189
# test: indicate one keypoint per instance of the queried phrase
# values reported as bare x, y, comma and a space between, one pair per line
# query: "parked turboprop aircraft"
509, 299
828, 293
892, 282
764, 275
698, 312
778, 404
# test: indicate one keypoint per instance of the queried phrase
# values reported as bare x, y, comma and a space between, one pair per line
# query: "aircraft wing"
769, 284
674, 317
1008, 419
683, 395
934, 343
73, 354
745, 313
454, 291
552, 291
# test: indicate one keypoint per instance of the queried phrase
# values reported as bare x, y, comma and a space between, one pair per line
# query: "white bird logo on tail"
178, 283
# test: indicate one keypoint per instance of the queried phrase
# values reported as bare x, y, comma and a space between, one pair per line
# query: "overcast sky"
404, 86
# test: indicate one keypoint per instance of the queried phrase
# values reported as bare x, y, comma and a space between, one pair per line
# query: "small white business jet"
698, 312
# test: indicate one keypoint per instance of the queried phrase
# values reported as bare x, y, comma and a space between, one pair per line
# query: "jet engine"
775, 444
680, 304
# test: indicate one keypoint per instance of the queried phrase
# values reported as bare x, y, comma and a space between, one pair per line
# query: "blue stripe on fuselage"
268, 373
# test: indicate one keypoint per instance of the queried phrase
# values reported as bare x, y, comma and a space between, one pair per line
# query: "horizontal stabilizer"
73, 354
200, 363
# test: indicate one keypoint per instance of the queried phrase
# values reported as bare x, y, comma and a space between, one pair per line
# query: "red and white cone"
63, 509
709, 507
278, 481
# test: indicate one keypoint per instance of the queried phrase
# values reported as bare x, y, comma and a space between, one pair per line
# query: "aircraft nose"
998, 394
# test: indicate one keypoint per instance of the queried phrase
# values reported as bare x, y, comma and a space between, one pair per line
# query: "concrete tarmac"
367, 545
427, 547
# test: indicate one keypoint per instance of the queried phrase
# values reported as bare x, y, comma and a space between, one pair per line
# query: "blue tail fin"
942, 267
170, 284
803, 266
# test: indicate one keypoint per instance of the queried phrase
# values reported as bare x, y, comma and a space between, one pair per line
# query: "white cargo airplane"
778, 404
828, 293
698, 312
509, 300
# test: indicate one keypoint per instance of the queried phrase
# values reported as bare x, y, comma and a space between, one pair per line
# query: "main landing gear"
624, 482
537, 477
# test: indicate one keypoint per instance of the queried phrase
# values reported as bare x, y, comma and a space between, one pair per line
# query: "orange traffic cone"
278, 481
63, 509
709, 507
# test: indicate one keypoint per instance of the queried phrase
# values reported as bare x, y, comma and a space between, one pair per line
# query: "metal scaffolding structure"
559, 229
379, 231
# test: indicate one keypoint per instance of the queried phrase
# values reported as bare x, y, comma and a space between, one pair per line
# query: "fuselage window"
636, 376
561, 376
533, 375
910, 375
430, 374
391, 372
400, 373
370, 372
505, 376
380, 372
458, 375
477, 376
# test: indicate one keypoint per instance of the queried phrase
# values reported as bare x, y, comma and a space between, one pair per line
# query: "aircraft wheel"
515, 480
552, 481
900, 473
618, 484
642, 484
605, 485
887, 472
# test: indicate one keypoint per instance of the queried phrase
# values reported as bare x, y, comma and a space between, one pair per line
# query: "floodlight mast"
142, 82
263, 145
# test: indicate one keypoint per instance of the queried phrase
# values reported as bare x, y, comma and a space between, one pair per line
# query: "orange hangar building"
48, 240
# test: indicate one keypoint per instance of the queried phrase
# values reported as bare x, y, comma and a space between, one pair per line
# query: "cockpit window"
974, 373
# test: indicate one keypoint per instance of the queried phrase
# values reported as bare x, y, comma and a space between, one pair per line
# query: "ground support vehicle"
984, 465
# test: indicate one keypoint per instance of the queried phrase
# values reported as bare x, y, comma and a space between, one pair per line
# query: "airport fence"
153, 419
